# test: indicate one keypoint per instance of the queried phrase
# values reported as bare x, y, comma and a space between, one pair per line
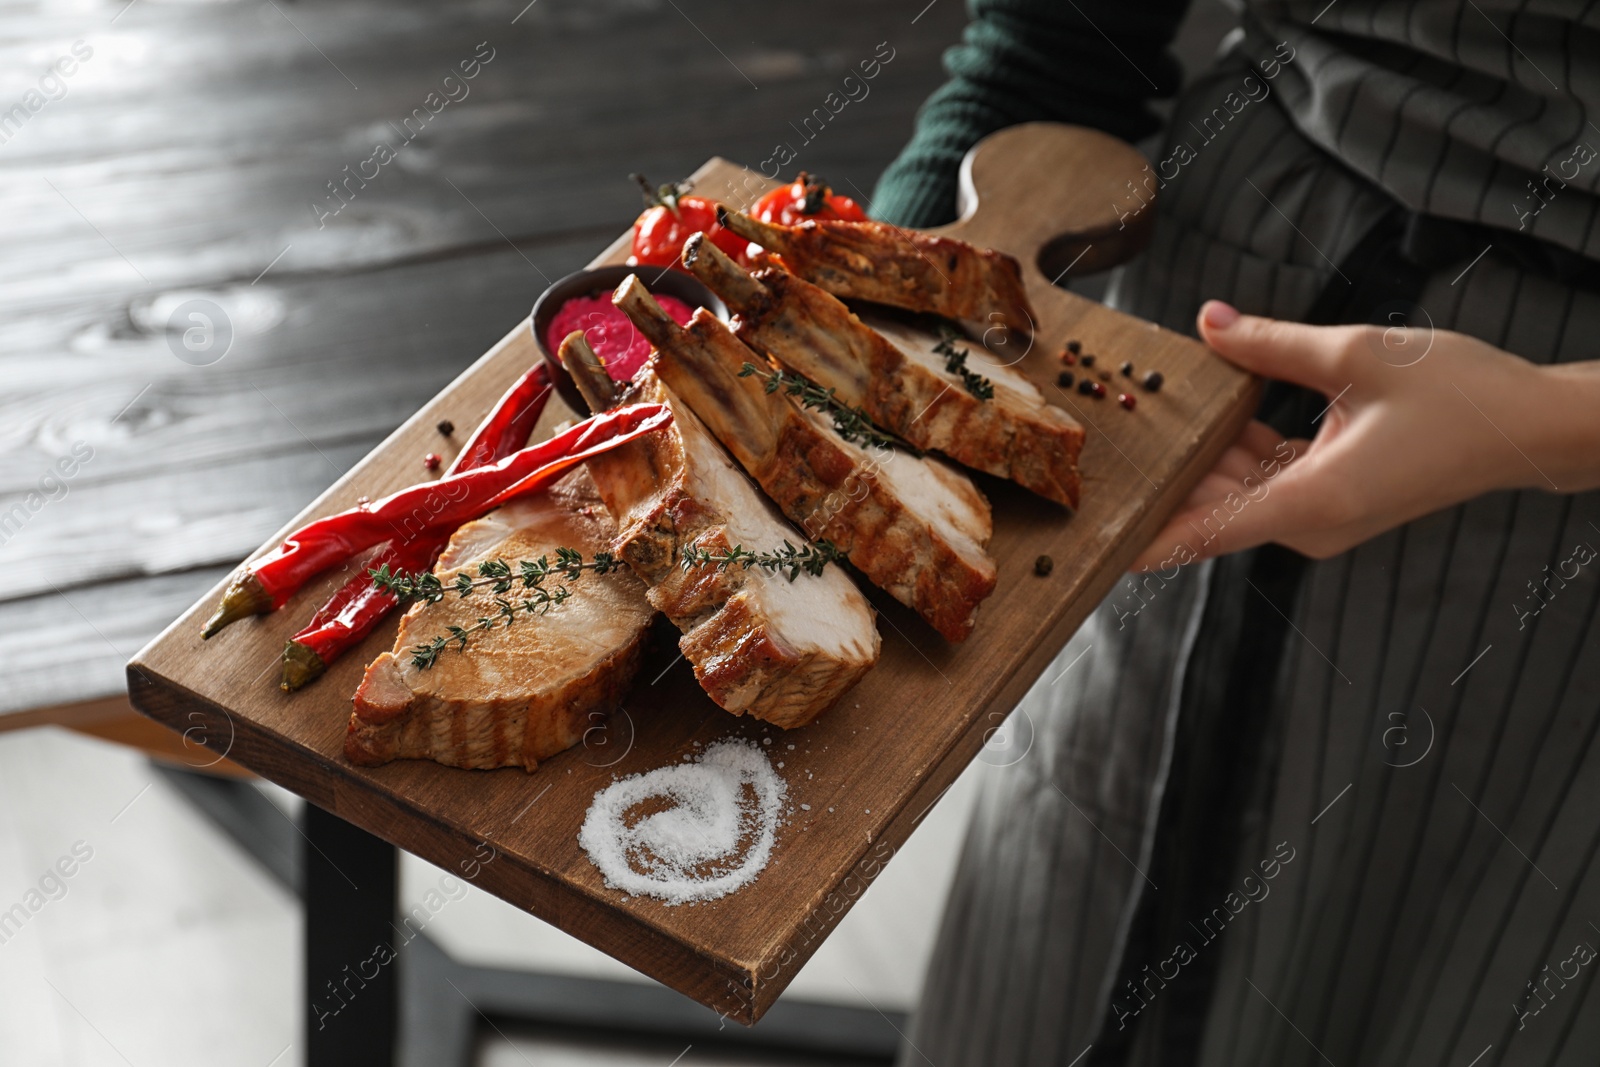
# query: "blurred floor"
554, 1050
170, 946
167, 946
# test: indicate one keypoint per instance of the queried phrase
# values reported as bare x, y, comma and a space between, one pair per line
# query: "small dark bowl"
665, 281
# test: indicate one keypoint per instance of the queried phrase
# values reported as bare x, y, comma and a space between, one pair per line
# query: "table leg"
351, 980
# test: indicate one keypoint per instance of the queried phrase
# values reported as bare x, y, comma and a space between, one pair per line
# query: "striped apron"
1285, 812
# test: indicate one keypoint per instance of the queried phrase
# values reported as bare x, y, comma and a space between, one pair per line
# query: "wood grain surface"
182, 162
861, 776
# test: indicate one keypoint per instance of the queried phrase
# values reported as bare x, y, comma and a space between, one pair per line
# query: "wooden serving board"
868, 768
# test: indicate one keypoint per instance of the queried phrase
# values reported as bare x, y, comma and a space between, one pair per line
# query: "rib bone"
902, 268
760, 645
915, 527
893, 374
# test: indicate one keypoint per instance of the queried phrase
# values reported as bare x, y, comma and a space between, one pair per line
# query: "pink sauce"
618, 343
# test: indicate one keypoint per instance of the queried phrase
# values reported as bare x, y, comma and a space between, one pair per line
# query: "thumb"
1313, 356
1284, 510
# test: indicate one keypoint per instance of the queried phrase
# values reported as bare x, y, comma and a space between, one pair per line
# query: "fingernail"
1219, 316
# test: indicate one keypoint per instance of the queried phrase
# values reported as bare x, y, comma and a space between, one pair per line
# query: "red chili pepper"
359, 605
354, 611
807, 197
670, 219
420, 509
509, 424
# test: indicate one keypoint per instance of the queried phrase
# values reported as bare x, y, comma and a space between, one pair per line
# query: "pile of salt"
690, 851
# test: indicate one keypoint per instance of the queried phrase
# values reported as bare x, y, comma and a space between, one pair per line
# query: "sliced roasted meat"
520, 693
902, 268
914, 526
760, 644
894, 374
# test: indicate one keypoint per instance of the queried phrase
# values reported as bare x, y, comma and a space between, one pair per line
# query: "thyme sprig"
409, 586
955, 362
542, 600
851, 422
789, 561
500, 578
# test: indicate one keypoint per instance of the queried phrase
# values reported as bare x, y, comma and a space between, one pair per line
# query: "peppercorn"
1098, 390
1126, 400
1087, 359
1105, 375
1086, 387
446, 427
1064, 379
431, 461
1127, 369
1068, 358
1043, 566
1074, 347
1153, 380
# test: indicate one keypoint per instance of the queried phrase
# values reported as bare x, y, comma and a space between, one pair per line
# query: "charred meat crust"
829, 488
902, 268
810, 474
517, 694
483, 734
740, 655
1013, 435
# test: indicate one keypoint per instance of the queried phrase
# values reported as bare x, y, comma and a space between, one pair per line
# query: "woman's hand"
1417, 420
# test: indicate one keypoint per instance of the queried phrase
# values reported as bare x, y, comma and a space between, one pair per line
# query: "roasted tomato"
807, 197
671, 218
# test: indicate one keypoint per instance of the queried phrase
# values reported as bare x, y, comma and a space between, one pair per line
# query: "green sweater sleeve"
1087, 62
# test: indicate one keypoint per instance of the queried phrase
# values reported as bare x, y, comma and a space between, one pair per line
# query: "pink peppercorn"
431, 461
1126, 400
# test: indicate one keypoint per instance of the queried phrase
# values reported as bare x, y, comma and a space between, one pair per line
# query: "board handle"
1055, 195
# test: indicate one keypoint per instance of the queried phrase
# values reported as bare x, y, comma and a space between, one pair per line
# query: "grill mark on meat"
901, 268
893, 374
914, 527
760, 645
517, 694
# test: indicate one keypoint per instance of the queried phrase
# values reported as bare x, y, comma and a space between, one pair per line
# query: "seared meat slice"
902, 268
914, 526
760, 644
517, 694
893, 374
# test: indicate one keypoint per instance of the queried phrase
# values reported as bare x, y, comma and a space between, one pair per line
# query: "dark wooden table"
183, 163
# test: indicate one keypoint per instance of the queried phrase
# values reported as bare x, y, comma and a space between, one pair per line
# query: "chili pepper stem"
244, 597
301, 666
